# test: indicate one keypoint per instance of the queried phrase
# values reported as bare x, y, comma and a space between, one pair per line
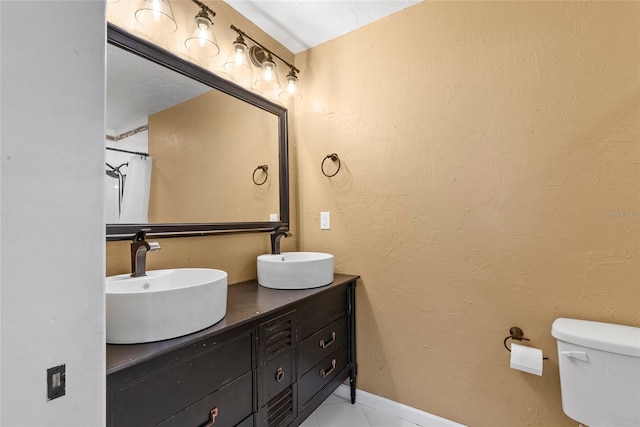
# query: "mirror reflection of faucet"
139, 249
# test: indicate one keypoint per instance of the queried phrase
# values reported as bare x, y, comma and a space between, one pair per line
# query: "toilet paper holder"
516, 333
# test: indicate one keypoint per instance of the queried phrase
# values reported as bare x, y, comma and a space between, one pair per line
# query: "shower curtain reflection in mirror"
127, 187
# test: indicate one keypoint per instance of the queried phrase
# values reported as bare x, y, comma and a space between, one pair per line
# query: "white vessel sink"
164, 304
295, 270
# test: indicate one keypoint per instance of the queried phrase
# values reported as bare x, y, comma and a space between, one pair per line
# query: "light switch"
325, 221
56, 382
273, 217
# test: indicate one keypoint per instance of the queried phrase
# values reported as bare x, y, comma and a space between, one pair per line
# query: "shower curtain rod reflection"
127, 151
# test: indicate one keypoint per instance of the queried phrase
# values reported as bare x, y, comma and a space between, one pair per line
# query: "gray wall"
51, 220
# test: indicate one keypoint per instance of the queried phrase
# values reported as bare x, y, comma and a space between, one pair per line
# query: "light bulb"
239, 49
157, 15
202, 37
268, 72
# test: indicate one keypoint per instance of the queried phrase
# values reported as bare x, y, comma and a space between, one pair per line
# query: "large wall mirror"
188, 152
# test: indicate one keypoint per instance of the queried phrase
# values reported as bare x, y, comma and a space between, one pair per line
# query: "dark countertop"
245, 302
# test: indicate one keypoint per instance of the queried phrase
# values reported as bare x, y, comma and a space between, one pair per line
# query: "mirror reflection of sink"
295, 270
164, 304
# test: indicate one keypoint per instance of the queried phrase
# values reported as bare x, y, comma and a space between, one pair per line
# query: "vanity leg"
352, 341
352, 382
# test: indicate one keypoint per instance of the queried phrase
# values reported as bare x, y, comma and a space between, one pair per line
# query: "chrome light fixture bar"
262, 57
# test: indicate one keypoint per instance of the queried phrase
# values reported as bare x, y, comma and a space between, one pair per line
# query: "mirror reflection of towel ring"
263, 168
334, 157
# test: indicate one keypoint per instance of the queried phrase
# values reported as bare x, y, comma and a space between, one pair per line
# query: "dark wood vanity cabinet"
274, 358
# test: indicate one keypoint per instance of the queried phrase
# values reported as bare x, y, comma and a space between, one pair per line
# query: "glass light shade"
268, 77
237, 64
202, 41
291, 91
156, 15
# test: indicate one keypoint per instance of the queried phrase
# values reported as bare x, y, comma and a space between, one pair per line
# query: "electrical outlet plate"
325, 221
56, 382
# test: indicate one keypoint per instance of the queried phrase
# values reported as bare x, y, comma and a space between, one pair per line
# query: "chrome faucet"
139, 249
275, 239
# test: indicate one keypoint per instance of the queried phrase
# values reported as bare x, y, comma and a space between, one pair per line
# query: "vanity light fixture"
267, 80
237, 63
202, 40
156, 15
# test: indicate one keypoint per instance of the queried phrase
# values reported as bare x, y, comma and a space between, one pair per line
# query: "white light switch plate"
325, 221
273, 217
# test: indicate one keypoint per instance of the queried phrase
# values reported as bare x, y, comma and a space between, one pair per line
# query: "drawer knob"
280, 375
328, 343
324, 373
213, 414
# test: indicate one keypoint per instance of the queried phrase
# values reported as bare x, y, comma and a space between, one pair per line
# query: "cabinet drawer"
321, 374
232, 404
321, 310
177, 382
319, 345
276, 375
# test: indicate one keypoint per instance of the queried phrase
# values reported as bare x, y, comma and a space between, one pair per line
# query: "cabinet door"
277, 398
277, 356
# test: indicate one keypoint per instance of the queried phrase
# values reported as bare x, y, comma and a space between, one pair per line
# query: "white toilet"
599, 372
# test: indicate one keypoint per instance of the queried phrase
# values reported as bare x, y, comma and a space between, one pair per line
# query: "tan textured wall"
236, 254
205, 151
490, 178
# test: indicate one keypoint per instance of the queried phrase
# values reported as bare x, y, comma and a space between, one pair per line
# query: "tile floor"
339, 412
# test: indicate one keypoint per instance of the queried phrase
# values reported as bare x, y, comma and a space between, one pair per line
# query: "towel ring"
265, 169
334, 157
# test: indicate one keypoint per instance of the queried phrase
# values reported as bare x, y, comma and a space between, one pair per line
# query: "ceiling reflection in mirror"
179, 151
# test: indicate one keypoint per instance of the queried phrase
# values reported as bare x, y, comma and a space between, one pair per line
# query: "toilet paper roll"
526, 359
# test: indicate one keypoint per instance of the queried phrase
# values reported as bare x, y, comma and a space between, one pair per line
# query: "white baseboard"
396, 409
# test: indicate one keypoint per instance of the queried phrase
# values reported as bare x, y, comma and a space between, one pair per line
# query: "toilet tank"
599, 372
